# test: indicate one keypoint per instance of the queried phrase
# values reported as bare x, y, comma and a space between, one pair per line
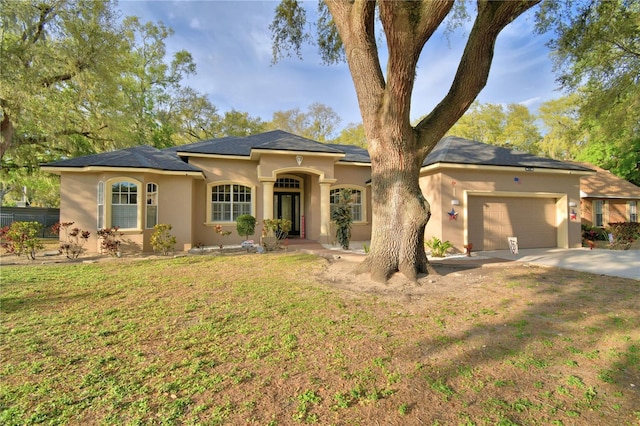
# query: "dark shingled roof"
242, 146
354, 154
145, 157
454, 150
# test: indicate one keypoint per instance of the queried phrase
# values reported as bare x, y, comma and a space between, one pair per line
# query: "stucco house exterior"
479, 194
606, 198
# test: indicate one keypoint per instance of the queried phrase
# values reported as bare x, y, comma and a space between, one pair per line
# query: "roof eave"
257, 153
59, 170
528, 169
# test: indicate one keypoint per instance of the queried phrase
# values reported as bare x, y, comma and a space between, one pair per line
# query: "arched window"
152, 205
356, 202
228, 201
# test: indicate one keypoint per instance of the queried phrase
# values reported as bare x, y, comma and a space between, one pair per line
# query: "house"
479, 194
198, 186
606, 198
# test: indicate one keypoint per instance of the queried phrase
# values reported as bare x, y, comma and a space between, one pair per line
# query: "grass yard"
265, 340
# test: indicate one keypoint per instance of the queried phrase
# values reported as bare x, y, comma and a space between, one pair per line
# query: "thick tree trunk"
6, 134
400, 211
400, 215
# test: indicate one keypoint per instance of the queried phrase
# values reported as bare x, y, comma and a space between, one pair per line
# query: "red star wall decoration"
453, 215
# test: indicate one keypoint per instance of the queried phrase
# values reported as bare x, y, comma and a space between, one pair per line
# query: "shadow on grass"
574, 334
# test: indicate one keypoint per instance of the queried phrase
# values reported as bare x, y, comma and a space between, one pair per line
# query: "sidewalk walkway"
617, 263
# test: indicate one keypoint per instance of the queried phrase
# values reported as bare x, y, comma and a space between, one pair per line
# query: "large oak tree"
397, 149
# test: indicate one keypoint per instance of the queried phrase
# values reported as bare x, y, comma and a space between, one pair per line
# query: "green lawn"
257, 339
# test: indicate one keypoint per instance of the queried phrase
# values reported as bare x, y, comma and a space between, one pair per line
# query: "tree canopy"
597, 56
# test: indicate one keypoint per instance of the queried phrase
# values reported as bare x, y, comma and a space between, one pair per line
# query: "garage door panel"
532, 220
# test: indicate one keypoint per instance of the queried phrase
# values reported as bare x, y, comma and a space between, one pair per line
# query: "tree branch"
473, 70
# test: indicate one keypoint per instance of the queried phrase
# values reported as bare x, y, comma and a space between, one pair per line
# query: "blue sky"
231, 45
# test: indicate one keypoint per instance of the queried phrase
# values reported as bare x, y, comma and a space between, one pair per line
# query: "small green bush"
438, 248
161, 240
246, 225
593, 233
278, 228
22, 238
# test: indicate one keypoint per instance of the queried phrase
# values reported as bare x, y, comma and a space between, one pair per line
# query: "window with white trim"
633, 211
100, 213
124, 204
228, 201
152, 205
598, 212
356, 202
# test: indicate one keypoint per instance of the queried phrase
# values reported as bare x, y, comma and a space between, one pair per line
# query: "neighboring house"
606, 198
479, 194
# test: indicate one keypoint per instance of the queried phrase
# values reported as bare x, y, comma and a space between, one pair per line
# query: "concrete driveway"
617, 263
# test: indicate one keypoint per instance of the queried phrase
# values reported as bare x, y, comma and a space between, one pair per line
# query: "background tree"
490, 123
397, 149
236, 123
353, 134
561, 121
597, 51
319, 123
77, 80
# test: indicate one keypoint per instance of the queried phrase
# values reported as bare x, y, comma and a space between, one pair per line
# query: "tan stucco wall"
439, 191
183, 201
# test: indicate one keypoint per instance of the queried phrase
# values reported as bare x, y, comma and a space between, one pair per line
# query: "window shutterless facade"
357, 209
228, 201
598, 212
152, 205
633, 211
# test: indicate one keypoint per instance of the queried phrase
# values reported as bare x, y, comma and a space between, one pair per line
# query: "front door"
286, 205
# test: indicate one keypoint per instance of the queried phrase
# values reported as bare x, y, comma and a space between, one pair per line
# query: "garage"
493, 219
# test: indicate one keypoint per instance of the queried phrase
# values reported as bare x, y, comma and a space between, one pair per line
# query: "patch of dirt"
462, 277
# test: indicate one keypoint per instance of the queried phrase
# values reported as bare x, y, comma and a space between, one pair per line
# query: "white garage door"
493, 219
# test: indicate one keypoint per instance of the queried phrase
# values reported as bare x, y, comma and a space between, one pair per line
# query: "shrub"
220, 231
343, 217
625, 232
593, 233
72, 239
278, 228
109, 240
22, 238
161, 240
246, 225
438, 248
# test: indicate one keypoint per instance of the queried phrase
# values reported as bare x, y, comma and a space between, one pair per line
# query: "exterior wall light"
572, 204
455, 202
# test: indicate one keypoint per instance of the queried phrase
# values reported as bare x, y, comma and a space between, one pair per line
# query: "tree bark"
400, 215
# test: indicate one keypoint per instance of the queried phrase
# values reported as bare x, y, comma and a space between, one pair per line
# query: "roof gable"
276, 140
455, 150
